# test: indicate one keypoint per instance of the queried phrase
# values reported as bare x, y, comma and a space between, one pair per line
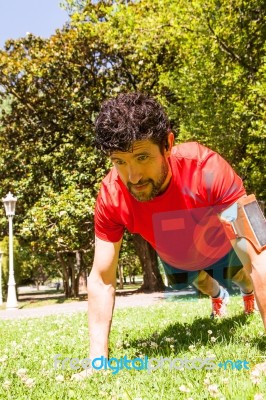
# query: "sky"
40, 17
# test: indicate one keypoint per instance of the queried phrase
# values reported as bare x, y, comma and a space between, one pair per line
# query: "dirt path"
129, 299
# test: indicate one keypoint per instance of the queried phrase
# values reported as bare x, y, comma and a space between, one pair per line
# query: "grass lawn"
172, 329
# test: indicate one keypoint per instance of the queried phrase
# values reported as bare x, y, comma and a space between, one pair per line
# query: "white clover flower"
213, 339
30, 382
259, 396
154, 345
184, 389
6, 384
21, 372
213, 389
3, 358
59, 378
225, 380
210, 354
102, 393
209, 332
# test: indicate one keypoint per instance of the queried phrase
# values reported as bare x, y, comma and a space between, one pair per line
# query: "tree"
47, 153
221, 84
49, 82
204, 60
152, 279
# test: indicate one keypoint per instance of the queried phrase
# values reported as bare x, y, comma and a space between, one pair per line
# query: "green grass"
174, 329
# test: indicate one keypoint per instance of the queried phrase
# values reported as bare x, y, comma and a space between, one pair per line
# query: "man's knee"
238, 276
203, 281
233, 273
202, 277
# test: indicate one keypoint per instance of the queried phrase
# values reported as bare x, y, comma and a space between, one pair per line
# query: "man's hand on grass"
86, 373
260, 367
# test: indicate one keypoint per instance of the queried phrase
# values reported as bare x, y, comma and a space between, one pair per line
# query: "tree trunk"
77, 275
121, 277
152, 280
83, 281
65, 274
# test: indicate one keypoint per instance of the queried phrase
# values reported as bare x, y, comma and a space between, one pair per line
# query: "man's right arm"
101, 295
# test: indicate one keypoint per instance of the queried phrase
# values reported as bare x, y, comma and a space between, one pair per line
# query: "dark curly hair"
129, 117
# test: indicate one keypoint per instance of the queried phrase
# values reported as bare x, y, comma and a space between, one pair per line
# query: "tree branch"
229, 50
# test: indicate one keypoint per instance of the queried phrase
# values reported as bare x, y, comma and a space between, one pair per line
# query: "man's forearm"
101, 299
258, 275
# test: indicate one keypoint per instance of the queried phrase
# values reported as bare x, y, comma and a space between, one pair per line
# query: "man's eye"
142, 158
119, 162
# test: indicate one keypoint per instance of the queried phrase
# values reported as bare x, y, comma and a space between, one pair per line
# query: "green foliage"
47, 156
66, 217
221, 84
27, 267
204, 60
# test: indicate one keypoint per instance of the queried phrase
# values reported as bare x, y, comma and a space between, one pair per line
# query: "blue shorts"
222, 270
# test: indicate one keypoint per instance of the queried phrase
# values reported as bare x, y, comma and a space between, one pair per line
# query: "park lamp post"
1, 294
10, 205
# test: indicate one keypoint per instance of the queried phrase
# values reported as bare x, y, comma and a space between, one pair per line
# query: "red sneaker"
249, 303
219, 305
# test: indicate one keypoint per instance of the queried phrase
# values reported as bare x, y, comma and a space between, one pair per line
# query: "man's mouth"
139, 187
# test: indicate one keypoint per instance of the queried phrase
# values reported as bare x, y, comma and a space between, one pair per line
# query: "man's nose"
134, 175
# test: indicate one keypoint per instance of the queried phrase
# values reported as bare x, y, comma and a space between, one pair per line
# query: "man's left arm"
247, 226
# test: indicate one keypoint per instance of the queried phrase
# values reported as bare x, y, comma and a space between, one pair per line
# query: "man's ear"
169, 144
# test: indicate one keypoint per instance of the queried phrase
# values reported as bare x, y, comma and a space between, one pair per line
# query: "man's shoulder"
191, 151
111, 177
111, 186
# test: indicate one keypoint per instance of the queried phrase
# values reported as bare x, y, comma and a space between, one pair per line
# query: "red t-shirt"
181, 223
